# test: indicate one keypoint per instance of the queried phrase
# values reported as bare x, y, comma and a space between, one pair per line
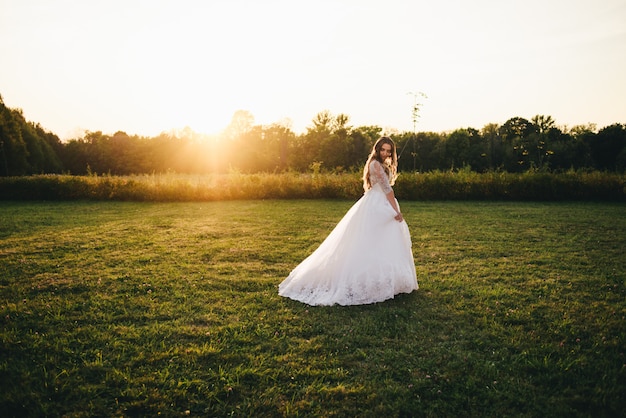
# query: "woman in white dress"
367, 258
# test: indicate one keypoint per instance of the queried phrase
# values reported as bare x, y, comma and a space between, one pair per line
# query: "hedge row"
460, 185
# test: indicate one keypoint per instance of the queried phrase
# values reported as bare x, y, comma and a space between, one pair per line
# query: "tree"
363, 138
241, 122
335, 145
517, 127
457, 145
321, 143
322, 122
543, 123
576, 144
516, 136
546, 135
493, 143
53, 147
477, 153
607, 146
74, 156
12, 145
279, 137
25, 148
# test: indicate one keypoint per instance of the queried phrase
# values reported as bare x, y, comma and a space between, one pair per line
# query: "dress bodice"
378, 175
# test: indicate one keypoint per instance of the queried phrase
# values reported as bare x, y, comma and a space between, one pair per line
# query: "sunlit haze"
145, 67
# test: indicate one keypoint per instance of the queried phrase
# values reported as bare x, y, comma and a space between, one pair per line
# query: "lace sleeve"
378, 175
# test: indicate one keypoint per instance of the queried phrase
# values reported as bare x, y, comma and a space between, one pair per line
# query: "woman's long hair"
390, 165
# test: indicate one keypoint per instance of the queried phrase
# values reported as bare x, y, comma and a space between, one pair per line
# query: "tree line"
330, 144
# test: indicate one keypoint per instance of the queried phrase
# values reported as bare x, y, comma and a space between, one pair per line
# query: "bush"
436, 185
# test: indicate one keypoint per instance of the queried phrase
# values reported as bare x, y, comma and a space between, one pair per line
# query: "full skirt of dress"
367, 258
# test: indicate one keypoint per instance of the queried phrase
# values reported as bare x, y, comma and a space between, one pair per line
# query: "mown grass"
141, 309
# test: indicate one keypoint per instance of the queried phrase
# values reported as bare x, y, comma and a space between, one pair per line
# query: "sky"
151, 66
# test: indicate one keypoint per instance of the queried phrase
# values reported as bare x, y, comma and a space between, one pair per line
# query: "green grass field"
171, 309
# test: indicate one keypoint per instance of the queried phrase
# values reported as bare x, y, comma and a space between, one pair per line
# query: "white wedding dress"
367, 258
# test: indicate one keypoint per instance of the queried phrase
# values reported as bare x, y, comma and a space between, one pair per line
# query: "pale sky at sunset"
150, 66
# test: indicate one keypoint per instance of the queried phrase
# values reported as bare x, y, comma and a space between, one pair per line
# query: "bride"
367, 258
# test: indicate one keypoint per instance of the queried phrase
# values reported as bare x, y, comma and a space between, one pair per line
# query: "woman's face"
385, 151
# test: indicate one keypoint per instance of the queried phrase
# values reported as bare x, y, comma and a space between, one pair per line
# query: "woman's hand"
399, 217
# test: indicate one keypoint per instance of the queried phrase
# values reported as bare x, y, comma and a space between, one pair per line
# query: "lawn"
171, 309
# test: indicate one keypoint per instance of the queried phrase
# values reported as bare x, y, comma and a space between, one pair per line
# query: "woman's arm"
377, 175
392, 200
